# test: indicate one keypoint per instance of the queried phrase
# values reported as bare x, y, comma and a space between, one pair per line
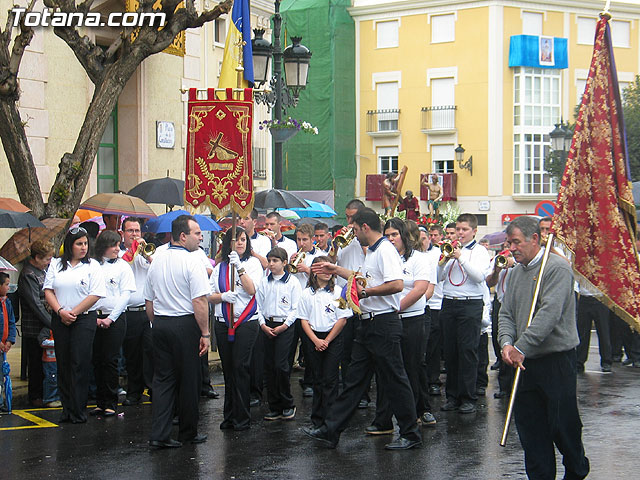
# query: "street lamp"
561, 137
296, 65
468, 165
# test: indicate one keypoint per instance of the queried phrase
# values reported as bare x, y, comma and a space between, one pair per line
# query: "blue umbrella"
315, 209
162, 223
7, 390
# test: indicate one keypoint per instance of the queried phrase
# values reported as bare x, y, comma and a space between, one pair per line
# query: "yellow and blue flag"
239, 31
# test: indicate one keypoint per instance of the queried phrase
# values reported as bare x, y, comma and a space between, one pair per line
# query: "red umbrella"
13, 205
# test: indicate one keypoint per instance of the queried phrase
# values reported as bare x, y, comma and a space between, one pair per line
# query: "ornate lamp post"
296, 66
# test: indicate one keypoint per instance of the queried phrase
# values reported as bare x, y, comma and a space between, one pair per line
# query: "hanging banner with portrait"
219, 172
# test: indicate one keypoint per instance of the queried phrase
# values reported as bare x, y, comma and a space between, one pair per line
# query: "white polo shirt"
418, 267
289, 245
140, 267
199, 254
382, 264
175, 278
74, 284
320, 309
465, 277
279, 298
350, 257
253, 268
260, 244
303, 278
120, 284
433, 255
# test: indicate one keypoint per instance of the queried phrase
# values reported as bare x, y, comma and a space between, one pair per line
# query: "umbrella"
288, 214
84, 215
496, 238
169, 191
118, 204
9, 219
7, 396
275, 198
315, 209
17, 247
5, 266
330, 222
13, 205
162, 224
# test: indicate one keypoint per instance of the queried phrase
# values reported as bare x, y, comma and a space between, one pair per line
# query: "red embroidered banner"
596, 218
219, 172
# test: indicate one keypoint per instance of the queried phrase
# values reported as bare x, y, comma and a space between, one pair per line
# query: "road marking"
38, 422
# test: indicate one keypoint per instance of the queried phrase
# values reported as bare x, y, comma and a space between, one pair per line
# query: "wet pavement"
32, 446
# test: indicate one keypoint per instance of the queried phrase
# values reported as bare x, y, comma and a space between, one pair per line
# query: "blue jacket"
12, 322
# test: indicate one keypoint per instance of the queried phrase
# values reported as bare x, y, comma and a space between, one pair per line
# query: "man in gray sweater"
546, 407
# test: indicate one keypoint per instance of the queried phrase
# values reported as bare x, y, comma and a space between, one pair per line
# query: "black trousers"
591, 311
305, 346
138, 353
482, 379
106, 352
176, 341
546, 414
257, 368
35, 372
73, 345
462, 320
629, 339
348, 335
411, 345
325, 366
376, 348
434, 348
423, 404
236, 365
277, 368
495, 310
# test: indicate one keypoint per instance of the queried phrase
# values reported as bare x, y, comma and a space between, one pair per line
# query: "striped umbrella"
118, 204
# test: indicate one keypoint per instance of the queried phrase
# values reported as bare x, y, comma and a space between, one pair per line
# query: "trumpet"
293, 266
146, 249
502, 260
343, 238
447, 247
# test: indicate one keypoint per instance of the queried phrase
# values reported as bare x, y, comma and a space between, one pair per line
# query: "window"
581, 84
387, 159
529, 155
108, 156
443, 28
620, 33
531, 23
219, 31
536, 97
586, 30
387, 94
622, 86
442, 157
387, 34
442, 94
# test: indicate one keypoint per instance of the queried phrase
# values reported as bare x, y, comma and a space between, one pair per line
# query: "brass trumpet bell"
293, 266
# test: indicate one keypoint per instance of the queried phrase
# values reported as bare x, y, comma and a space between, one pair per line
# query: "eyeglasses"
76, 230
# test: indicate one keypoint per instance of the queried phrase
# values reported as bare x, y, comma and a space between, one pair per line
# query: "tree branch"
10, 64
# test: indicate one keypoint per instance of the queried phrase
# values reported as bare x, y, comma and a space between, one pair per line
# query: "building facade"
491, 76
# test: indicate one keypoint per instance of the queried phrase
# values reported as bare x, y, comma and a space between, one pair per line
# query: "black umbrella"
274, 198
312, 221
168, 191
11, 219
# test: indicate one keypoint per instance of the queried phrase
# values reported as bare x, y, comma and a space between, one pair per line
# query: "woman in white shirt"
72, 286
236, 327
111, 321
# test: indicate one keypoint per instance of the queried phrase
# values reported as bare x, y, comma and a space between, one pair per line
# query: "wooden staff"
398, 186
516, 380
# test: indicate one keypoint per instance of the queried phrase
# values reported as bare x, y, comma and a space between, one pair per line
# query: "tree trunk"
14, 142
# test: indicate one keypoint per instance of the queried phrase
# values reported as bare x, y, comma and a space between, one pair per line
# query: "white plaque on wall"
165, 134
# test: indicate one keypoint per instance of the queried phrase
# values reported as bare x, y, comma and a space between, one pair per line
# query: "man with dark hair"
546, 407
111, 221
260, 244
176, 303
377, 343
321, 236
274, 234
450, 231
545, 227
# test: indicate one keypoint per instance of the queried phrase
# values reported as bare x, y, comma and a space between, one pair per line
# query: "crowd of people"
407, 311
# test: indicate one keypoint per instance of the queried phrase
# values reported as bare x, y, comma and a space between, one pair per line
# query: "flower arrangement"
426, 220
289, 123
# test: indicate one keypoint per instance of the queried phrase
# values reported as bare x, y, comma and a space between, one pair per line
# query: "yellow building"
492, 76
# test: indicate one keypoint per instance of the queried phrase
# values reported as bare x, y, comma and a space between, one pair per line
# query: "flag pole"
516, 380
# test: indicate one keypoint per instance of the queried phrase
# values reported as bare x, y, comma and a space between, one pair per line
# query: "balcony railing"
439, 118
259, 163
382, 121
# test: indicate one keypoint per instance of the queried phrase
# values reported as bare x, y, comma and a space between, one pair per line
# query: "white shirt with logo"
120, 284
74, 284
465, 277
417, 267
382, 264
320, 308
253, 268
278, 298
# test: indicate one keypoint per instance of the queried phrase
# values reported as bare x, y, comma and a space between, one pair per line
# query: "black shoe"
627, 361
96, 411
363, 404
210, 393
450, 406
307, 392
175, 421
606, 368
241, 428
171, 443
434, 390
376, 430
481, 391
500, 394
129, 402
288, 413
109, 413
467, 407
496, 365
273, 416
199, 438
320, 435
402, 443
226, 425
254, 402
